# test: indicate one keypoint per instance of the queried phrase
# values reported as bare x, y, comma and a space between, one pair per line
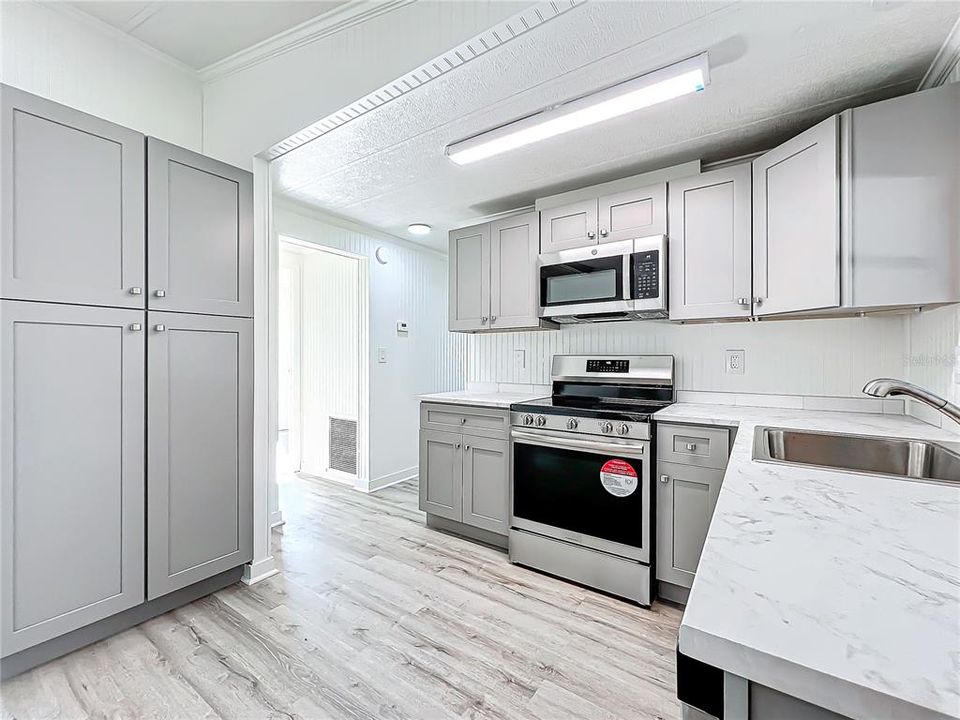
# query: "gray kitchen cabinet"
199, 448
494, 283
441, 474
632, 214
624, 215
711, 245
200, 231
72, 468
796, 223
72, 205
514, 281
569, 226
469, 278
686, 497
486, 473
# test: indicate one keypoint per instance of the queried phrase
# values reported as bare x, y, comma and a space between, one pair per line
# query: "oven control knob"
541, 421
606, 427
623, 429
572, 424
528, 419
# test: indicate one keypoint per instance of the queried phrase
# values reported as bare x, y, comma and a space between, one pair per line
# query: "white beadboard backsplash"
818, 357
932, 359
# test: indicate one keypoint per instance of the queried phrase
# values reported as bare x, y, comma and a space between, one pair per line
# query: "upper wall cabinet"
200, 229
74, 229
796, 221
901, 197
493, 275
609, 218
710, 245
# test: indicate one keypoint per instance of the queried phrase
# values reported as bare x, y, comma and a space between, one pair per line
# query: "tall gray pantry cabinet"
126, 377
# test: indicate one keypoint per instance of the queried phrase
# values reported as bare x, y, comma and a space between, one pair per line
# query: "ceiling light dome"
418, 229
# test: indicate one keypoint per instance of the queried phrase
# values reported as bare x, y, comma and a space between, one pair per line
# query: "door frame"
295, 442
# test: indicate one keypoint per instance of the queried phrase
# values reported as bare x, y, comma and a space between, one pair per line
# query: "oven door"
592, 491
586, 280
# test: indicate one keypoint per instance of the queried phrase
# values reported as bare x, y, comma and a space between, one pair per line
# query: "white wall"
412, 287
62, 54
248, 111
832, 357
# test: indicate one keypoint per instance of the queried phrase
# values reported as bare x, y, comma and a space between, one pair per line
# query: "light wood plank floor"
374, 616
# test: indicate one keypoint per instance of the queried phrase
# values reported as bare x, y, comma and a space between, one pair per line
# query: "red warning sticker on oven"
618, 478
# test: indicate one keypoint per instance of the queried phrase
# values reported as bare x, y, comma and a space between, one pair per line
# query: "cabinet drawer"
693, 445
466, 419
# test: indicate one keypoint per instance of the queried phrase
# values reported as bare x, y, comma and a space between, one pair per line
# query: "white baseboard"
276, 518
385, 481
259, 571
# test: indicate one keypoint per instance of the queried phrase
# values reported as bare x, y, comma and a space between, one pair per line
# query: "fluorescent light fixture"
418, 229
673, 81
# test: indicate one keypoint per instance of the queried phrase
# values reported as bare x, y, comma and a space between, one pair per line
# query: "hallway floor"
374, 616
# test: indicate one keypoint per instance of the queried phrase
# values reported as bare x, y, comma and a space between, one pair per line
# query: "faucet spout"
884, 387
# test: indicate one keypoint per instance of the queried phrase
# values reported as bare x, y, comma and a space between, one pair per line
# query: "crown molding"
477, 46
946, 61
317, 28
96, 23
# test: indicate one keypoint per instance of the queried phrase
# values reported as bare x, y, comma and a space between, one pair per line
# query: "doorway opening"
322, 363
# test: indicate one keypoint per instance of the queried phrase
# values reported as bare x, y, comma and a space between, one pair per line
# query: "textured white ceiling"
201, 32
776, 68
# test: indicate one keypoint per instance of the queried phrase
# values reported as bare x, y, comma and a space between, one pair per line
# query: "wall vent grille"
343, 445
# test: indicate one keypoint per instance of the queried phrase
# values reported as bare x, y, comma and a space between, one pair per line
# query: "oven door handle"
636, 449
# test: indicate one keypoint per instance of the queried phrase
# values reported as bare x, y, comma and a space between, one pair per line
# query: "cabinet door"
199, 233
710, 245
199, 448
73, 476
441, 474
72, 205
686, 497
796, 221
633, 214
470, 278
570, 226
486, 483
514, 279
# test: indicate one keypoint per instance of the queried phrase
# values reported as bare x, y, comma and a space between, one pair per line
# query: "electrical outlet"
381, 354
519, 359
735, 362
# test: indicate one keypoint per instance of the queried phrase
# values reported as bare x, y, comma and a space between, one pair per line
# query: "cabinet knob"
457, 446
664, 479
463, 420
743, 301
603, 233
136, 291
758, 300
691, 446
160, 327
493, 318
483, 319
136, 327
160, 293
591, 234
466, 447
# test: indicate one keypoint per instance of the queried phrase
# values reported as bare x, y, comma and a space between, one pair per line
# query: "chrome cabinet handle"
136, 327
758, 300
691, 446
136, 291
160, 293
743, 301
591, 234
160, 327
603, 233
664, 479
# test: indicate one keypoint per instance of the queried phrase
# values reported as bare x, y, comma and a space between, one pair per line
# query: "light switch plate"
734, 362
381, 354
519, 359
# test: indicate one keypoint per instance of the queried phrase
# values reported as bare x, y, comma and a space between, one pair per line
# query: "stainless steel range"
581, 469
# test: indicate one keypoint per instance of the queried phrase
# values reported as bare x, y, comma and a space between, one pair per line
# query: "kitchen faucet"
882, 387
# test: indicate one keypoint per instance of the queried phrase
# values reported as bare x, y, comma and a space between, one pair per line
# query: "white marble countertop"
837, 588
481, 398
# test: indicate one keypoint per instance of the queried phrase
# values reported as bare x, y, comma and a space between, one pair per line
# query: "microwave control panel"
646, 275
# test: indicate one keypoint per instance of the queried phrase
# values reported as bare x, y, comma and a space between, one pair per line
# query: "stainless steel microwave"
624, 280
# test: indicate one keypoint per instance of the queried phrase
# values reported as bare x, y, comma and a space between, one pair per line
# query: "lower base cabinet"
199, 454
465, 478
72, 470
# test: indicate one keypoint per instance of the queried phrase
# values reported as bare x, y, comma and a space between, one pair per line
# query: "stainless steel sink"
901, 457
